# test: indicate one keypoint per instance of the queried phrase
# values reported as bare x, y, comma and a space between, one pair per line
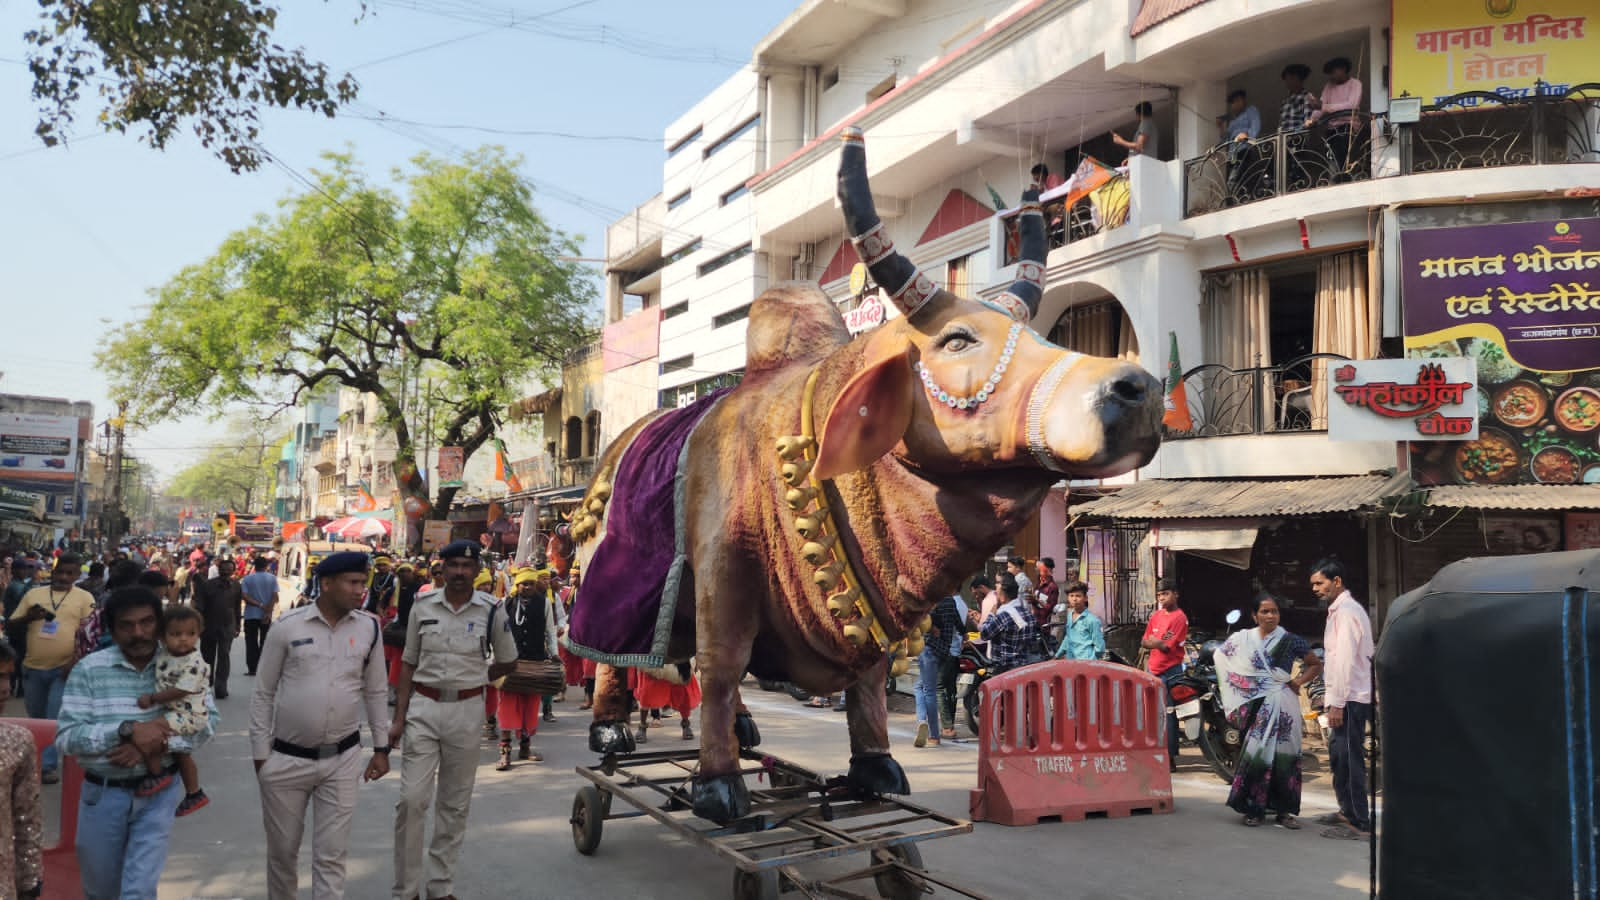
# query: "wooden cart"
797, 818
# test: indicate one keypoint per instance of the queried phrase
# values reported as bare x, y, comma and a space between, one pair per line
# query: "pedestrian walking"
219, 599
1045, 594
52, 613
950, 631
260, 592
931, 726
21, 812
182, 681
1347, 656
442, 667
1084, 637
321, 669
1262, 699
122, 838
1164, 636
530, 618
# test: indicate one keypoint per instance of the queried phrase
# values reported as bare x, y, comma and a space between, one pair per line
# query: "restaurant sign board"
1403, 400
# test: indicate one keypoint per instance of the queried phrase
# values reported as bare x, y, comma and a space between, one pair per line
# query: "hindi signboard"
1522, 300
1403, 400
867, 316
38, 447
1444, 47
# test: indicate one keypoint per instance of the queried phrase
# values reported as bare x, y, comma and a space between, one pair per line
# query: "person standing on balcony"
1338, 109
1044, 179
1293, 114
1146, 138
1238, 128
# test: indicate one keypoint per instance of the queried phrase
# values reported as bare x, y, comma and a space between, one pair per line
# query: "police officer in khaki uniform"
319, 666
437, 714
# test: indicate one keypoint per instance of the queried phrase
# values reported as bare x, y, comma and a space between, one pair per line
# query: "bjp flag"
1176, 402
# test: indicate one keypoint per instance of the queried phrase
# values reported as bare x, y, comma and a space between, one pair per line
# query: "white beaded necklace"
984, 393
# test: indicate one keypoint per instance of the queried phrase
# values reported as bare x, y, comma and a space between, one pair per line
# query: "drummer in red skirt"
681, 692
530, 617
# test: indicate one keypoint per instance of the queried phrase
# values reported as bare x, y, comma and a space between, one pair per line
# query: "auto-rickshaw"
295, 562
1488, 682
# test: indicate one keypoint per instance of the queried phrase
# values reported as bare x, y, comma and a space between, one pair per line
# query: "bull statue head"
958, 384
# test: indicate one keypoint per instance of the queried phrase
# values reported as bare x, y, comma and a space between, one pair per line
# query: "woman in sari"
1262, 701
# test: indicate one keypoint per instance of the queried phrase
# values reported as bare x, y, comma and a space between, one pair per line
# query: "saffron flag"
365, 502
1176, 402
502, 467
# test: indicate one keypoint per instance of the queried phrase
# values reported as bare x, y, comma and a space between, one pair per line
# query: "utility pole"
115, 520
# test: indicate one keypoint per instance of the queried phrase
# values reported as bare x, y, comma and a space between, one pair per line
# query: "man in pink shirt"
1164, 637
1339, 108
1347, 673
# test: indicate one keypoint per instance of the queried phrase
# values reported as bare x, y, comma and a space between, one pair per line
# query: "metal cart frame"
797, 817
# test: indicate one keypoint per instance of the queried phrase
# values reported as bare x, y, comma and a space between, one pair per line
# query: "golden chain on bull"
814, 522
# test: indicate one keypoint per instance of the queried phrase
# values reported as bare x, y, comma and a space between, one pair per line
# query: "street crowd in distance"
129, 653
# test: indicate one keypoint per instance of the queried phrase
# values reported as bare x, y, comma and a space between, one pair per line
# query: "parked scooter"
972, 670
1202, 720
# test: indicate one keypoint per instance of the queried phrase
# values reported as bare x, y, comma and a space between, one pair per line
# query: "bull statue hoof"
877, 773
721, 798
744, 728
607, 738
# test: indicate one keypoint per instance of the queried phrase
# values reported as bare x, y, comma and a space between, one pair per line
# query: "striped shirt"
103, 692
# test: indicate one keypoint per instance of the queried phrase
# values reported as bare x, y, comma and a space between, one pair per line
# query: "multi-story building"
364, 452
1257, 260
300, 471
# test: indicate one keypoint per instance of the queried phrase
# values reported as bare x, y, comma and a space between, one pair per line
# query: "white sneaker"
922, 735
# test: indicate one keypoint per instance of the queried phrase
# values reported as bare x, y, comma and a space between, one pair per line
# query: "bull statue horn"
908, 288
1021, 300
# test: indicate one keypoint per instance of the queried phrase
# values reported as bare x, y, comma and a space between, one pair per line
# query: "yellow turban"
529, 575
483, 580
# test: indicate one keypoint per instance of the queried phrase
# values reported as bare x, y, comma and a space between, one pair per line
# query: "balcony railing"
1237, 172
576, 471
1103, 209
1262, 400
1478, 130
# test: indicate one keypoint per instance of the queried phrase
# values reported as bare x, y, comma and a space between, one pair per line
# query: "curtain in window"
1235, 311
1346, 322
1127, 341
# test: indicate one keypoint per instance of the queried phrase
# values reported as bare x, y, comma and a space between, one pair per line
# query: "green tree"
237, 473
460, 282
158, 64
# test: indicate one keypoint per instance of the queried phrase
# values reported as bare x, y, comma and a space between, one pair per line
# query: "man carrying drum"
530, 618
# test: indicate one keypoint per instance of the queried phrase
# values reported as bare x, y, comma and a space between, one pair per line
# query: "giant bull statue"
826, 503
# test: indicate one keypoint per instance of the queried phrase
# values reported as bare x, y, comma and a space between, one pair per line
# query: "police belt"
326, 751
447, 695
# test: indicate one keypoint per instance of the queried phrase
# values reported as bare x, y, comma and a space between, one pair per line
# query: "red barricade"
60, 858
1068, 739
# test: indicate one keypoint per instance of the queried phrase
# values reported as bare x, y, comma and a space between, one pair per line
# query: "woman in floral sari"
1262, 700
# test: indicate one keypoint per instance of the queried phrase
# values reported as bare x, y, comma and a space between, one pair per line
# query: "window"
591, 433
685, 140
679, 200
830, 78
722, 143
677, 309
715, 263
677, 365
732, 195
681, 252
574, 438
881, 88
961, 273
731, 316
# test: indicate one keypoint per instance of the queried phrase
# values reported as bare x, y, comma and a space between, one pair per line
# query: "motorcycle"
1202, 720
973, 669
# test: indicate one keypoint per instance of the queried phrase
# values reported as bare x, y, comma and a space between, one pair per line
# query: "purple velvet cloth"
623, 615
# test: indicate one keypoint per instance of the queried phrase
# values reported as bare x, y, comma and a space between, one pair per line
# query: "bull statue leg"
726, 634
608, 732
866, 710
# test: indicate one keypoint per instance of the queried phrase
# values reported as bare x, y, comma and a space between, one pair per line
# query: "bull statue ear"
868, 418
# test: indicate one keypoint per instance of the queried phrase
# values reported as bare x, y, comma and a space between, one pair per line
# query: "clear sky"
87, 230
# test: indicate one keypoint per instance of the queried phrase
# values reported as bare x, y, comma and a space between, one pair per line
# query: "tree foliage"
460, 280
236, 473
157, 64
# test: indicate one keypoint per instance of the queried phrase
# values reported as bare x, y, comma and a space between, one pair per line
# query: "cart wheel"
897, 885
761, 884
588, 818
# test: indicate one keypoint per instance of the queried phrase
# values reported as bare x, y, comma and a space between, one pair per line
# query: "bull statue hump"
801, 526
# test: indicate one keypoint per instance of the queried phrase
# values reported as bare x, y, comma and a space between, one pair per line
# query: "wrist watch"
125, 731
384, 750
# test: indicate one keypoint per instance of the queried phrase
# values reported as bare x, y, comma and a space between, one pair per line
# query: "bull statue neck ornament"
888, 493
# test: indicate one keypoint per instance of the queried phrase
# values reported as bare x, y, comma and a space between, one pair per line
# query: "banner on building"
1403, 400
1518, 299
37, 447
1445, 47
451, 462
435, 534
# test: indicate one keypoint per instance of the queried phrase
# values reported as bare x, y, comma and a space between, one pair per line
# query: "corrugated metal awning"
1154, 12
1222, 499
1516, 496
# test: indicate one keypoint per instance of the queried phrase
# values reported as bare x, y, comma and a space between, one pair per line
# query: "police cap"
461, 550
342, 562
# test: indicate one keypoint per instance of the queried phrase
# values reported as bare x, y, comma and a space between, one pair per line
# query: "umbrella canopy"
361, 529
338, 525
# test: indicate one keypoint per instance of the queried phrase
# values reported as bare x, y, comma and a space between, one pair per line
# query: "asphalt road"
519, 842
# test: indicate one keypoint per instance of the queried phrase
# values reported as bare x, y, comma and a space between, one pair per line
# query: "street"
519, 843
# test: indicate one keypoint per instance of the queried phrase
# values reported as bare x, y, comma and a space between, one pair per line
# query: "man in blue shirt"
1012, 632
1085, 638
260, 589
1238, 128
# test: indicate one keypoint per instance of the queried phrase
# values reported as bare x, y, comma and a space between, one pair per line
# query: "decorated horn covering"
908, 288
1021, 300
